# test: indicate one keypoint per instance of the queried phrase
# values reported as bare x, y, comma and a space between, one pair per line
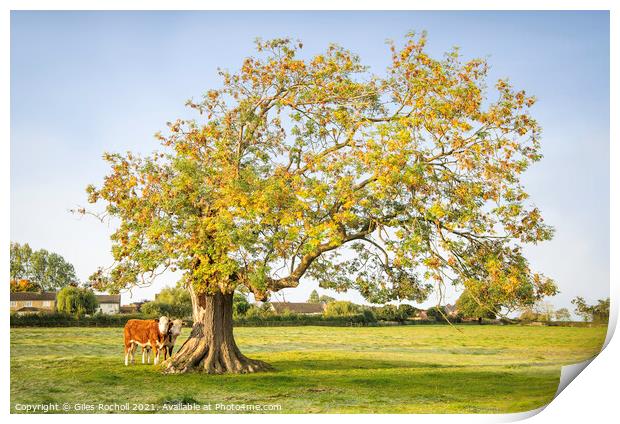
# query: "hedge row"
284, 320
100, 320
63, 320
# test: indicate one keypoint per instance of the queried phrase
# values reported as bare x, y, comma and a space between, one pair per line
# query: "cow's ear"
156, 319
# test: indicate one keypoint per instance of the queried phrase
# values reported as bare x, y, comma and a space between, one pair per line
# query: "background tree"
76, 301
341, 308
469, 306
529, 314
155, 309
170, 301
314, 297
48, 270
20, 261
598, 312
394, 313
240, 304
326, 299
178, 298
408, 311
294, 161
545, 311
436, 313
582, 309
539, 311
601, 311
562, 314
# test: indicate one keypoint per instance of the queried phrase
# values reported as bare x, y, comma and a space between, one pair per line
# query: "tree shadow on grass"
392, 386
346, 364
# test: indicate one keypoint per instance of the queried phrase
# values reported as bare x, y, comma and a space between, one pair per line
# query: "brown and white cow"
174, 330
173, 333
143, 333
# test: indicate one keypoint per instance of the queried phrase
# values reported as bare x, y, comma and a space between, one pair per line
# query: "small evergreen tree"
314, 297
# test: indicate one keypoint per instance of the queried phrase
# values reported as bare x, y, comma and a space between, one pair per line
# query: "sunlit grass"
407, 369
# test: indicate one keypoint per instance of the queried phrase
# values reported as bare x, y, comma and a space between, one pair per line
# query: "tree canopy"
47, 270
390, 184
76, 300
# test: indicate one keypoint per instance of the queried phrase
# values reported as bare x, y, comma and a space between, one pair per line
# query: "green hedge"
64, 320
119, 320
301, 319
284, 320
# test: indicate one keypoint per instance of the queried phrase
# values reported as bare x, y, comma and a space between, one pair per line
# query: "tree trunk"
211, 347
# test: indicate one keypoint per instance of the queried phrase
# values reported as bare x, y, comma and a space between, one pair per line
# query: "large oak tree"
389, 184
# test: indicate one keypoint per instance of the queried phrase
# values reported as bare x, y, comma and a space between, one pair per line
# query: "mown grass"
407, 369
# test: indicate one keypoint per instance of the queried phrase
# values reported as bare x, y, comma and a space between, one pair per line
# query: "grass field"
406, 369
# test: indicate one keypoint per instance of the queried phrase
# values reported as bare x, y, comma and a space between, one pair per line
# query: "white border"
591, 398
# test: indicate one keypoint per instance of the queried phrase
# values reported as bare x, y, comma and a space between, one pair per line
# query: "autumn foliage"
393, 184
23, 285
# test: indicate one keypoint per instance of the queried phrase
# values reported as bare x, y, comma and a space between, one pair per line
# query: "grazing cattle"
143, 333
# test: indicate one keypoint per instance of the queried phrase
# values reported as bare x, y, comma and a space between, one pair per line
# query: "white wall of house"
109, 308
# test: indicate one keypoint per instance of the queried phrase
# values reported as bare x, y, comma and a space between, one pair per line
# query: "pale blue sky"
86, 82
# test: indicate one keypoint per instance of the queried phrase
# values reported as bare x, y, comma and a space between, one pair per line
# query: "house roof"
33, 296
101, 298
29, 309
108, 298
300, 308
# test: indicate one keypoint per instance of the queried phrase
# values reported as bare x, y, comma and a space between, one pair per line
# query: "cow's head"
175, 329
164, 325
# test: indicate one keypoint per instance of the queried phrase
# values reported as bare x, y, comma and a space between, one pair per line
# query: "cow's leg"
133, 352
143, 353
127, 355
156, 353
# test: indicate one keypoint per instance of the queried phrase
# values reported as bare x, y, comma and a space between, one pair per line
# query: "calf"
143, 333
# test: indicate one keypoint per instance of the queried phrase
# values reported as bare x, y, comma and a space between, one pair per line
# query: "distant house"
109, 303
33, 302
298, 308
